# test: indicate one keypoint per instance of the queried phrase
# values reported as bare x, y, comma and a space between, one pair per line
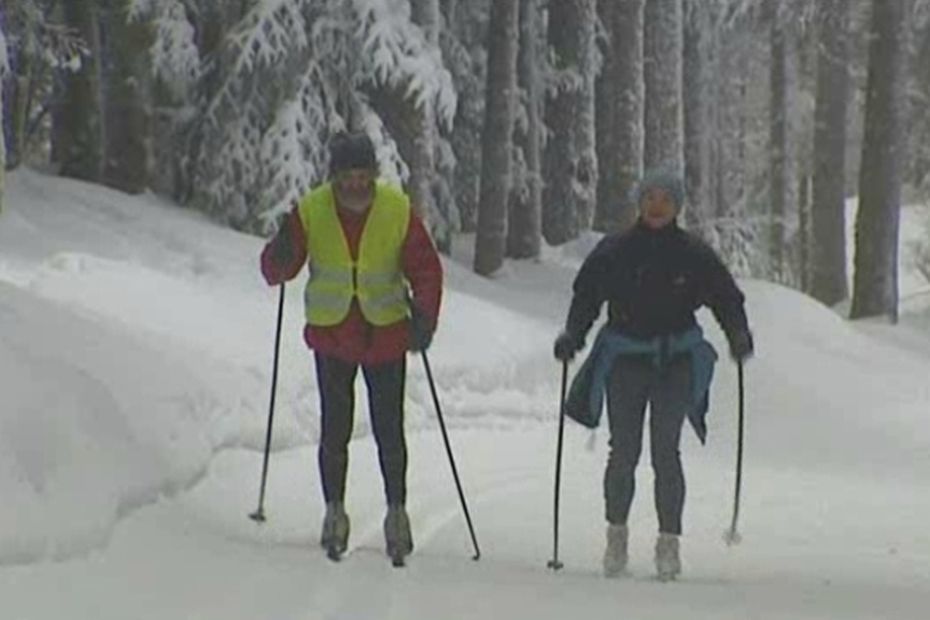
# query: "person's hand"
566, 345
741, 346
421, 330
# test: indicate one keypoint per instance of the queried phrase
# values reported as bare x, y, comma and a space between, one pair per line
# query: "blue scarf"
585, 400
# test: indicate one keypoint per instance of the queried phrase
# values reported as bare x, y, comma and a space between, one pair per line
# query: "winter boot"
397, 537
335, 535
668, 564
615, 556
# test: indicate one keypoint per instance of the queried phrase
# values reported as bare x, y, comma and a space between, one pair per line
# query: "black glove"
741, 346
282, 247
566, 345
421, 330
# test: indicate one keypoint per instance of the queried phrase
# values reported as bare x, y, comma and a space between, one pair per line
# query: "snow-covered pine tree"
570, 157
524, 220
177, 69
737, 59
403, 94
260, 94
463, 44
40, 53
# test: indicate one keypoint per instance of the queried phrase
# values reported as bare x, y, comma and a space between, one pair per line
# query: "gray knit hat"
662, 178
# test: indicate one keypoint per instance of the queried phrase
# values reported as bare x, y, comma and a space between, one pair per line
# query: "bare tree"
875, 286
662, 44
828, 267
524, 233
490, 242
619, 113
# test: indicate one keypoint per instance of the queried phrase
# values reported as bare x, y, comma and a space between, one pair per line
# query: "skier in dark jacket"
653, 277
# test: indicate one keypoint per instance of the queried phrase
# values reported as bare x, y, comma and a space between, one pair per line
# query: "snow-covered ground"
135, 359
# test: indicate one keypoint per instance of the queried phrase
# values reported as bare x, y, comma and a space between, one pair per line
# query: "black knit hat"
348, 151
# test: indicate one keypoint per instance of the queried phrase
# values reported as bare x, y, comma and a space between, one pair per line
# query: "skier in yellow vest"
368, 254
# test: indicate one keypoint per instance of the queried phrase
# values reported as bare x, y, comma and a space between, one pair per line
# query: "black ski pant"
636, 381
385, 382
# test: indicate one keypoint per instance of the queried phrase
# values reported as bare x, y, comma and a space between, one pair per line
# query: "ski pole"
259, 515
554, 563
445, 439
732, 536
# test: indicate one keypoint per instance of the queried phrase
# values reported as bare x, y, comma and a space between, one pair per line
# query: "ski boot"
668, 564
335, 536
397, 537
615, 556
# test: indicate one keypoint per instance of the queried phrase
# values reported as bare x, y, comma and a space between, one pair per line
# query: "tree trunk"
696, 117
780, 176
128, 112
619, 114
875, 287
570, 158
77, 132
662, 51
3, 77
20, 84
524, 233
804, 234
490, 242
828, 265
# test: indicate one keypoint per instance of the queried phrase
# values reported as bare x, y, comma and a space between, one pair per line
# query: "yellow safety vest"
375, 278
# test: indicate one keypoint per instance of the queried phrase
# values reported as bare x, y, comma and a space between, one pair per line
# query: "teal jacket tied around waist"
585, 399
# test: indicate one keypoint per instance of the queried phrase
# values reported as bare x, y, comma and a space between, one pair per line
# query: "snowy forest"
514, 124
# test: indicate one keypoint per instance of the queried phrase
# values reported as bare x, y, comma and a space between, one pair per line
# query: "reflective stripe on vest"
375, 278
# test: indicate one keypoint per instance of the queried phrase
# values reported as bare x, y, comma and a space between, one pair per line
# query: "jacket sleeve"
589, 291
423, 269
721, 293
283, 256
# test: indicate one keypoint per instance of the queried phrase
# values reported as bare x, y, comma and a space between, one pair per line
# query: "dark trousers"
635, 382
336, 381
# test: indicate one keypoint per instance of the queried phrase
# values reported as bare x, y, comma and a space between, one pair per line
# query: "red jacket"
355, 339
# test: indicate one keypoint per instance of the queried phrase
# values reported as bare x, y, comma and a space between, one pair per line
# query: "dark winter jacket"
653, 282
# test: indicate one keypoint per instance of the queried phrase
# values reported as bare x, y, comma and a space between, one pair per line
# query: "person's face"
355, 188
657, 208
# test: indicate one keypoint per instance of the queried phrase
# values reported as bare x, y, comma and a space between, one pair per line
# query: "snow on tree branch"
400, 55
271, 29
175, 58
